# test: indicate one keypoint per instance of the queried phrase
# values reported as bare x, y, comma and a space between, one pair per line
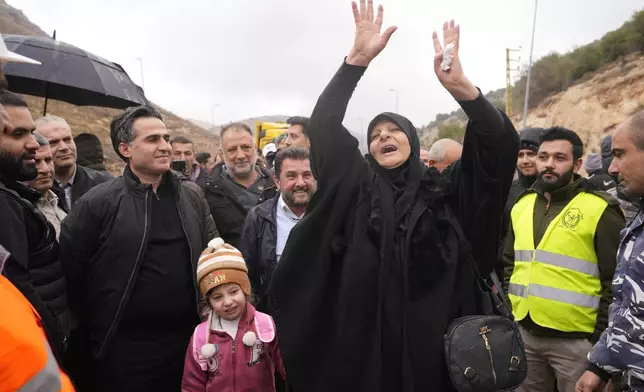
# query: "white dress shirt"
285, 220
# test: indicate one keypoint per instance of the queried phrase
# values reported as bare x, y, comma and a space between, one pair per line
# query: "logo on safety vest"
571, 218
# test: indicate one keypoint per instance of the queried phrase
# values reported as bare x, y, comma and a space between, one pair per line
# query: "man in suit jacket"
73, 181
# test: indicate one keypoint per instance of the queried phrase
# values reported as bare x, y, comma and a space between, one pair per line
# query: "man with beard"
268, 225
130, 249
559, 263
48, 201
25, 232
72, 179
239, 184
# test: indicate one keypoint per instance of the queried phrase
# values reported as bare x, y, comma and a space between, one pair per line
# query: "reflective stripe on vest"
557, 283
558, 260
551, 293
47, 379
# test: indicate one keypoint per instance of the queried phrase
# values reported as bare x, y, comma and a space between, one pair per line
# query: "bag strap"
492, 276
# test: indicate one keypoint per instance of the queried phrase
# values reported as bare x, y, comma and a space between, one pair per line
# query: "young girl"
235, 349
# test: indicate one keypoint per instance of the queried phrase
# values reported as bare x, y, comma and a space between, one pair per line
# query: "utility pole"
508, 80
527, 85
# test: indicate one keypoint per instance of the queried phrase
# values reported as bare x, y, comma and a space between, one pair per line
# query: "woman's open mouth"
388, 149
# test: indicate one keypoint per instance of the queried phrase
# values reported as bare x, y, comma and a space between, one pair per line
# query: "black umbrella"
69, 74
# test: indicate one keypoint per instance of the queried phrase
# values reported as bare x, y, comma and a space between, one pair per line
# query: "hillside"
452, 125
589, 89
595, 106
95, 120
13, 21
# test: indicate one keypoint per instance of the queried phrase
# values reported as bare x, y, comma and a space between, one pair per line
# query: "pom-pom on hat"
221, 263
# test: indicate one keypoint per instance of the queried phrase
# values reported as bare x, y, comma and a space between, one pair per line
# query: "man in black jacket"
238, 184
130, 249
526, 164
527, 175
25, 232
597, 177
268, 225
72, 180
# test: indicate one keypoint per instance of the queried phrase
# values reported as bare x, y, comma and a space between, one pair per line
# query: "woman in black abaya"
373, 274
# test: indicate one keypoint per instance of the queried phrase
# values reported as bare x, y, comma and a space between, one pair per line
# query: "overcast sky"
263, 57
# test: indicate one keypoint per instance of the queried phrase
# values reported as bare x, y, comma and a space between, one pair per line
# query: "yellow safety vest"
558, 282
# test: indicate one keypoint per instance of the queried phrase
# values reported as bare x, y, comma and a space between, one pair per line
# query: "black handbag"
485, 352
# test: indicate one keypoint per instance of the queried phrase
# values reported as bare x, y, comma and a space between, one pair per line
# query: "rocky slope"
594, 107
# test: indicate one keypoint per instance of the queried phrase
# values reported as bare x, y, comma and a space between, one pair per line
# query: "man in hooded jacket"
375, 271
597, 177
526, 167
526, 176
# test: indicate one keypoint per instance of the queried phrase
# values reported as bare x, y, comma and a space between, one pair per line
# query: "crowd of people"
307, 266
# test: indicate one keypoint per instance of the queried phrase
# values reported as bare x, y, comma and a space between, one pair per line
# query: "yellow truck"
266, 132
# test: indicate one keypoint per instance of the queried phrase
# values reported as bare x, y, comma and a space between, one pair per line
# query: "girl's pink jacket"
235, 367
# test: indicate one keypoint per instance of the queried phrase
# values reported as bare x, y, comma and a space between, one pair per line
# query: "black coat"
202, 178
102, 242
258, 245
226, 210
601, 181
84, 180
35, 268
325, 292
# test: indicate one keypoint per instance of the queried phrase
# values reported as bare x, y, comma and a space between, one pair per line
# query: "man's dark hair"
299, 120
637, 129
202, 157
236, 126
122, 125
561, 133
7, 98
181, 140
296, 153
89, 151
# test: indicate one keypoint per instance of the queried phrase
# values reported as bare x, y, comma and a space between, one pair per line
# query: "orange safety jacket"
26, 360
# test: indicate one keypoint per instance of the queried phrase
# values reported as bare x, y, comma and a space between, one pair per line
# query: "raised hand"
369, 42
453, 79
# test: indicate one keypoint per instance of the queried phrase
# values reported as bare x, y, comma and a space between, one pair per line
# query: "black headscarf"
400, 183
396, 207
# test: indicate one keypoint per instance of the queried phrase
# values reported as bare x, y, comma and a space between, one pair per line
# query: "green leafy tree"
451, 130
555, 73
